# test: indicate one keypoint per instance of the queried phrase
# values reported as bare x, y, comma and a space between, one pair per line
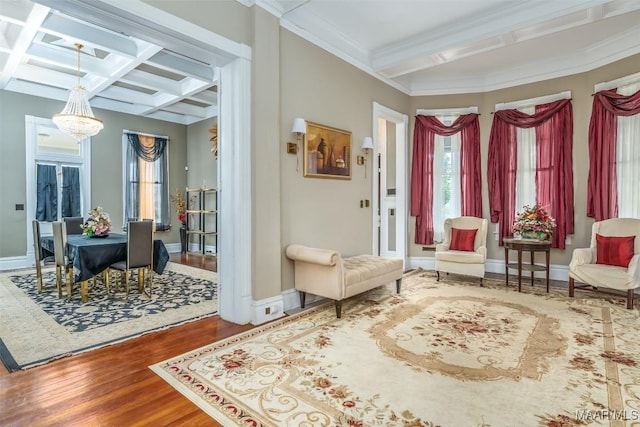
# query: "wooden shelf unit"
202, 222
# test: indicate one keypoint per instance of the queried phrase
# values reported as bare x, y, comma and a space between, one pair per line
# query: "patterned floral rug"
37, 328
448, 353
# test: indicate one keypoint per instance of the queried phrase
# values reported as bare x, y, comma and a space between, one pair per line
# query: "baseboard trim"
556, 271
267, 309
16, 262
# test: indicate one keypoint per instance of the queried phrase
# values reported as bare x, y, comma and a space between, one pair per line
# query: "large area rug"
36, 328
439, 354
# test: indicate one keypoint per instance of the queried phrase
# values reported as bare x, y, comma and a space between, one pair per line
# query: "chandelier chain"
79, 48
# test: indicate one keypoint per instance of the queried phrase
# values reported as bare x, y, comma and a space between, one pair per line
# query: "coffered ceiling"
422, 47
120, 72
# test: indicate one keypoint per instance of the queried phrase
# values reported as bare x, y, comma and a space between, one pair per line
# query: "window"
445, 171
58, 174
58, 191
526, 165
530, 161
614, 154
628, 159
446, 185
146, 194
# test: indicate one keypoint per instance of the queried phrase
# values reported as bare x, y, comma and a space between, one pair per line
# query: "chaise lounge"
326, 273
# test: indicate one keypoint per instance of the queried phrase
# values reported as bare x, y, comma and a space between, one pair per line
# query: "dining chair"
139, 256
63, 263
39, 260
154, 224
73, 224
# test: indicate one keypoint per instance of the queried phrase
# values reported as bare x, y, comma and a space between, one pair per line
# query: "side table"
528, 245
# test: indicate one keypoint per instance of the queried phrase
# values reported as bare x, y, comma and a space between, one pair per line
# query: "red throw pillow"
462, 240
614, 250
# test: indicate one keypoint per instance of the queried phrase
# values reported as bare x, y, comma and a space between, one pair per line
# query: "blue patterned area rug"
37, 328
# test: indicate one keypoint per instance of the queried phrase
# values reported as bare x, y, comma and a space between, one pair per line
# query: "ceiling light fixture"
77, 119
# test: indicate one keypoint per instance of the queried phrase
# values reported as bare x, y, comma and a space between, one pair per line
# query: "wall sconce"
367, 145
299, 128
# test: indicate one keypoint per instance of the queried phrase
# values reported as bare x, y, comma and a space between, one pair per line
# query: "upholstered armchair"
612, 260
464, 249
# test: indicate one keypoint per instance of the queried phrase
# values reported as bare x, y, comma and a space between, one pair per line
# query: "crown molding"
488, 31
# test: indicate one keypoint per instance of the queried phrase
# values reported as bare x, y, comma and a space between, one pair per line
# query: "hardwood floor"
207, 262
113, 386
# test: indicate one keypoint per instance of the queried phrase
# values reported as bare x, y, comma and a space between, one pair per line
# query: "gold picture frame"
327, 152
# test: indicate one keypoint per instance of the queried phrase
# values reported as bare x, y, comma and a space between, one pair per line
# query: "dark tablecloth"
91, 256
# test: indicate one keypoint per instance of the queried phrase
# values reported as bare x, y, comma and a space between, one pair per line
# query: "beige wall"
106, 163
203, 172
323, 89
228, 18
291, 78
203, 166
581, 87
266, 195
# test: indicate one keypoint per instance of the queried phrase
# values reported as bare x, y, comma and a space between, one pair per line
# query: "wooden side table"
528, 245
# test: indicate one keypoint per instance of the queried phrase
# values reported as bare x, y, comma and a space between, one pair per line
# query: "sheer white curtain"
628, 160
526, 172
446, 185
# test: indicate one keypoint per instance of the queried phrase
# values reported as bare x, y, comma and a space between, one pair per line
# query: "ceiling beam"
89, 35
27, 33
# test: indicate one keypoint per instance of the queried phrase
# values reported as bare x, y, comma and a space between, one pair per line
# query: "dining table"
91, 256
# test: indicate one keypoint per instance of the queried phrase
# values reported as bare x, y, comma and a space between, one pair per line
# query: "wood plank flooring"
113, 386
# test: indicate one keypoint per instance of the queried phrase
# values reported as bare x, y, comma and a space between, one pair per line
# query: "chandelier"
77, 119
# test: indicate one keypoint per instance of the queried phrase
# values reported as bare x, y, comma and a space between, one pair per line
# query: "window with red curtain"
553, 123
422, 176
613, 142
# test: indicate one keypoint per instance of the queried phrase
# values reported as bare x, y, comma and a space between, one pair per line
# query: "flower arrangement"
534, 221
180, 204
98, 223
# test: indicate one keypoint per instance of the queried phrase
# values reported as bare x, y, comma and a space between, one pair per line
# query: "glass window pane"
46, 193
391, 155
391, 229
71, 205
52, 141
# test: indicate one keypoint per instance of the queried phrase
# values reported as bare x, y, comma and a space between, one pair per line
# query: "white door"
389, 192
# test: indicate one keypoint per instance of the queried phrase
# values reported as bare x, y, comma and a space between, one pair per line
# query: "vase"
534, 235
99, 235
183, 238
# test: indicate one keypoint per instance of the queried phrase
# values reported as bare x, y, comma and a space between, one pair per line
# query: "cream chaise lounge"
326, 273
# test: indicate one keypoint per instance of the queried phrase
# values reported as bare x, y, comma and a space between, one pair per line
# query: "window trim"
614, 84
125, 177
31, 155
531, 102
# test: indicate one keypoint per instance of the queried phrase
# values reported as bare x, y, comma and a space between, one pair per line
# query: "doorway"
233, 59
390, 182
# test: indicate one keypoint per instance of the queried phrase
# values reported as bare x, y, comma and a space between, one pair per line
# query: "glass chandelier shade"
77, 119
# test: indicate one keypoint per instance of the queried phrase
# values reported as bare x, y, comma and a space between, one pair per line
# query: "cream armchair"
584, 267
469, 262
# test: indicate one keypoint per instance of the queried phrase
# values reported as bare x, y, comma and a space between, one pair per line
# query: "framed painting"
327, 152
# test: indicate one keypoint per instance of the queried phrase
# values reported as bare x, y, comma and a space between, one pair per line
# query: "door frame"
235, 270
402, 126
